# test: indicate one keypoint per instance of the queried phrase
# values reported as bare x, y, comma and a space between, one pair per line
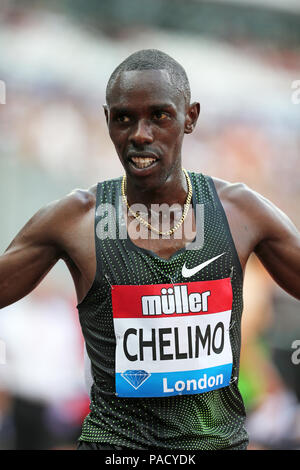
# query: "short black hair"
153, 59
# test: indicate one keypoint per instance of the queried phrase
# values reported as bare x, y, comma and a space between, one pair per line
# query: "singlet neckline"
131, 245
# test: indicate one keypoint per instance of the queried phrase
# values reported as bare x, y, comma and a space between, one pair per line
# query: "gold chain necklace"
149, 226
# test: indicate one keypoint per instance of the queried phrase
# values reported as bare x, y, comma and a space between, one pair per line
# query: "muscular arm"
279, 247
259, 226
39, 245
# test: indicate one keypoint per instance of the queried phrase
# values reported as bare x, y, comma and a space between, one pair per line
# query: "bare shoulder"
245, 200
237, 193
59, 216
77, 200
71, 211
254, 209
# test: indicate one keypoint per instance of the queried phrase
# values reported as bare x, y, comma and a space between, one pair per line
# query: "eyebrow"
153, 107
170, 106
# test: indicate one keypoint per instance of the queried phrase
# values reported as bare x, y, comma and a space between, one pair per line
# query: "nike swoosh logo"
186, 272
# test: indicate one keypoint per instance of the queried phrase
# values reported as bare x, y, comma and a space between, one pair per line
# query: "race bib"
172, 339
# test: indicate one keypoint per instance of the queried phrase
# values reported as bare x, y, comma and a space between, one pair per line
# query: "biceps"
281, 251
22, 268
29, 256
281, 258
280, 239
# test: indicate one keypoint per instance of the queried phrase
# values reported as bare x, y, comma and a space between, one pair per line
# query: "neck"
136, 213
171, 190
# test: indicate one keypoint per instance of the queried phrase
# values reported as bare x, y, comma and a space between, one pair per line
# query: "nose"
141, 134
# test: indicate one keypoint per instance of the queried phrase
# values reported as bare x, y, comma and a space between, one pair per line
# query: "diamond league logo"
135, 377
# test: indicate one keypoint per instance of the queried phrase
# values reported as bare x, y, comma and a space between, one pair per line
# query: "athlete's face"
147, 118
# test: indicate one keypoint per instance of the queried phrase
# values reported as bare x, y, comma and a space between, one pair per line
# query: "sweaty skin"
146, 118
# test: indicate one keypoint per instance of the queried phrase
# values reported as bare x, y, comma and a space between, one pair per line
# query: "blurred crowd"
53, 138
43, 396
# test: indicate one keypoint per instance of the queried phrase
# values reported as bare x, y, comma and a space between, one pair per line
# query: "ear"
191, 117
105, 107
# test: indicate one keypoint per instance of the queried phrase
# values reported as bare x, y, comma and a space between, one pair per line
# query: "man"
160, 312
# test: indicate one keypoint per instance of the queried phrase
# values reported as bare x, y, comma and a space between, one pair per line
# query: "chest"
164, 245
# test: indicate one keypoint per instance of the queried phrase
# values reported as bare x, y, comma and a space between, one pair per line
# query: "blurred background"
243, 61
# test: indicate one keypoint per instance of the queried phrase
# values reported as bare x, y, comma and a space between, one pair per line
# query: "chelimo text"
196, 343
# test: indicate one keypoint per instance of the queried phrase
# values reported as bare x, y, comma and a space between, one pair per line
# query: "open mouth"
142, 162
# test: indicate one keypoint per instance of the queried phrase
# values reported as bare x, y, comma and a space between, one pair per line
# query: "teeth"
142, 162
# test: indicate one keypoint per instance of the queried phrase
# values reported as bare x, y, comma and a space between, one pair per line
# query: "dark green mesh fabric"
211, 420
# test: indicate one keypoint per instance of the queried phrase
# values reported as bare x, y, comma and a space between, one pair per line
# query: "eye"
123, 118
160, 115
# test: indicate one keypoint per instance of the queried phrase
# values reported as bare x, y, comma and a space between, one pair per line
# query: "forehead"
135, 87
